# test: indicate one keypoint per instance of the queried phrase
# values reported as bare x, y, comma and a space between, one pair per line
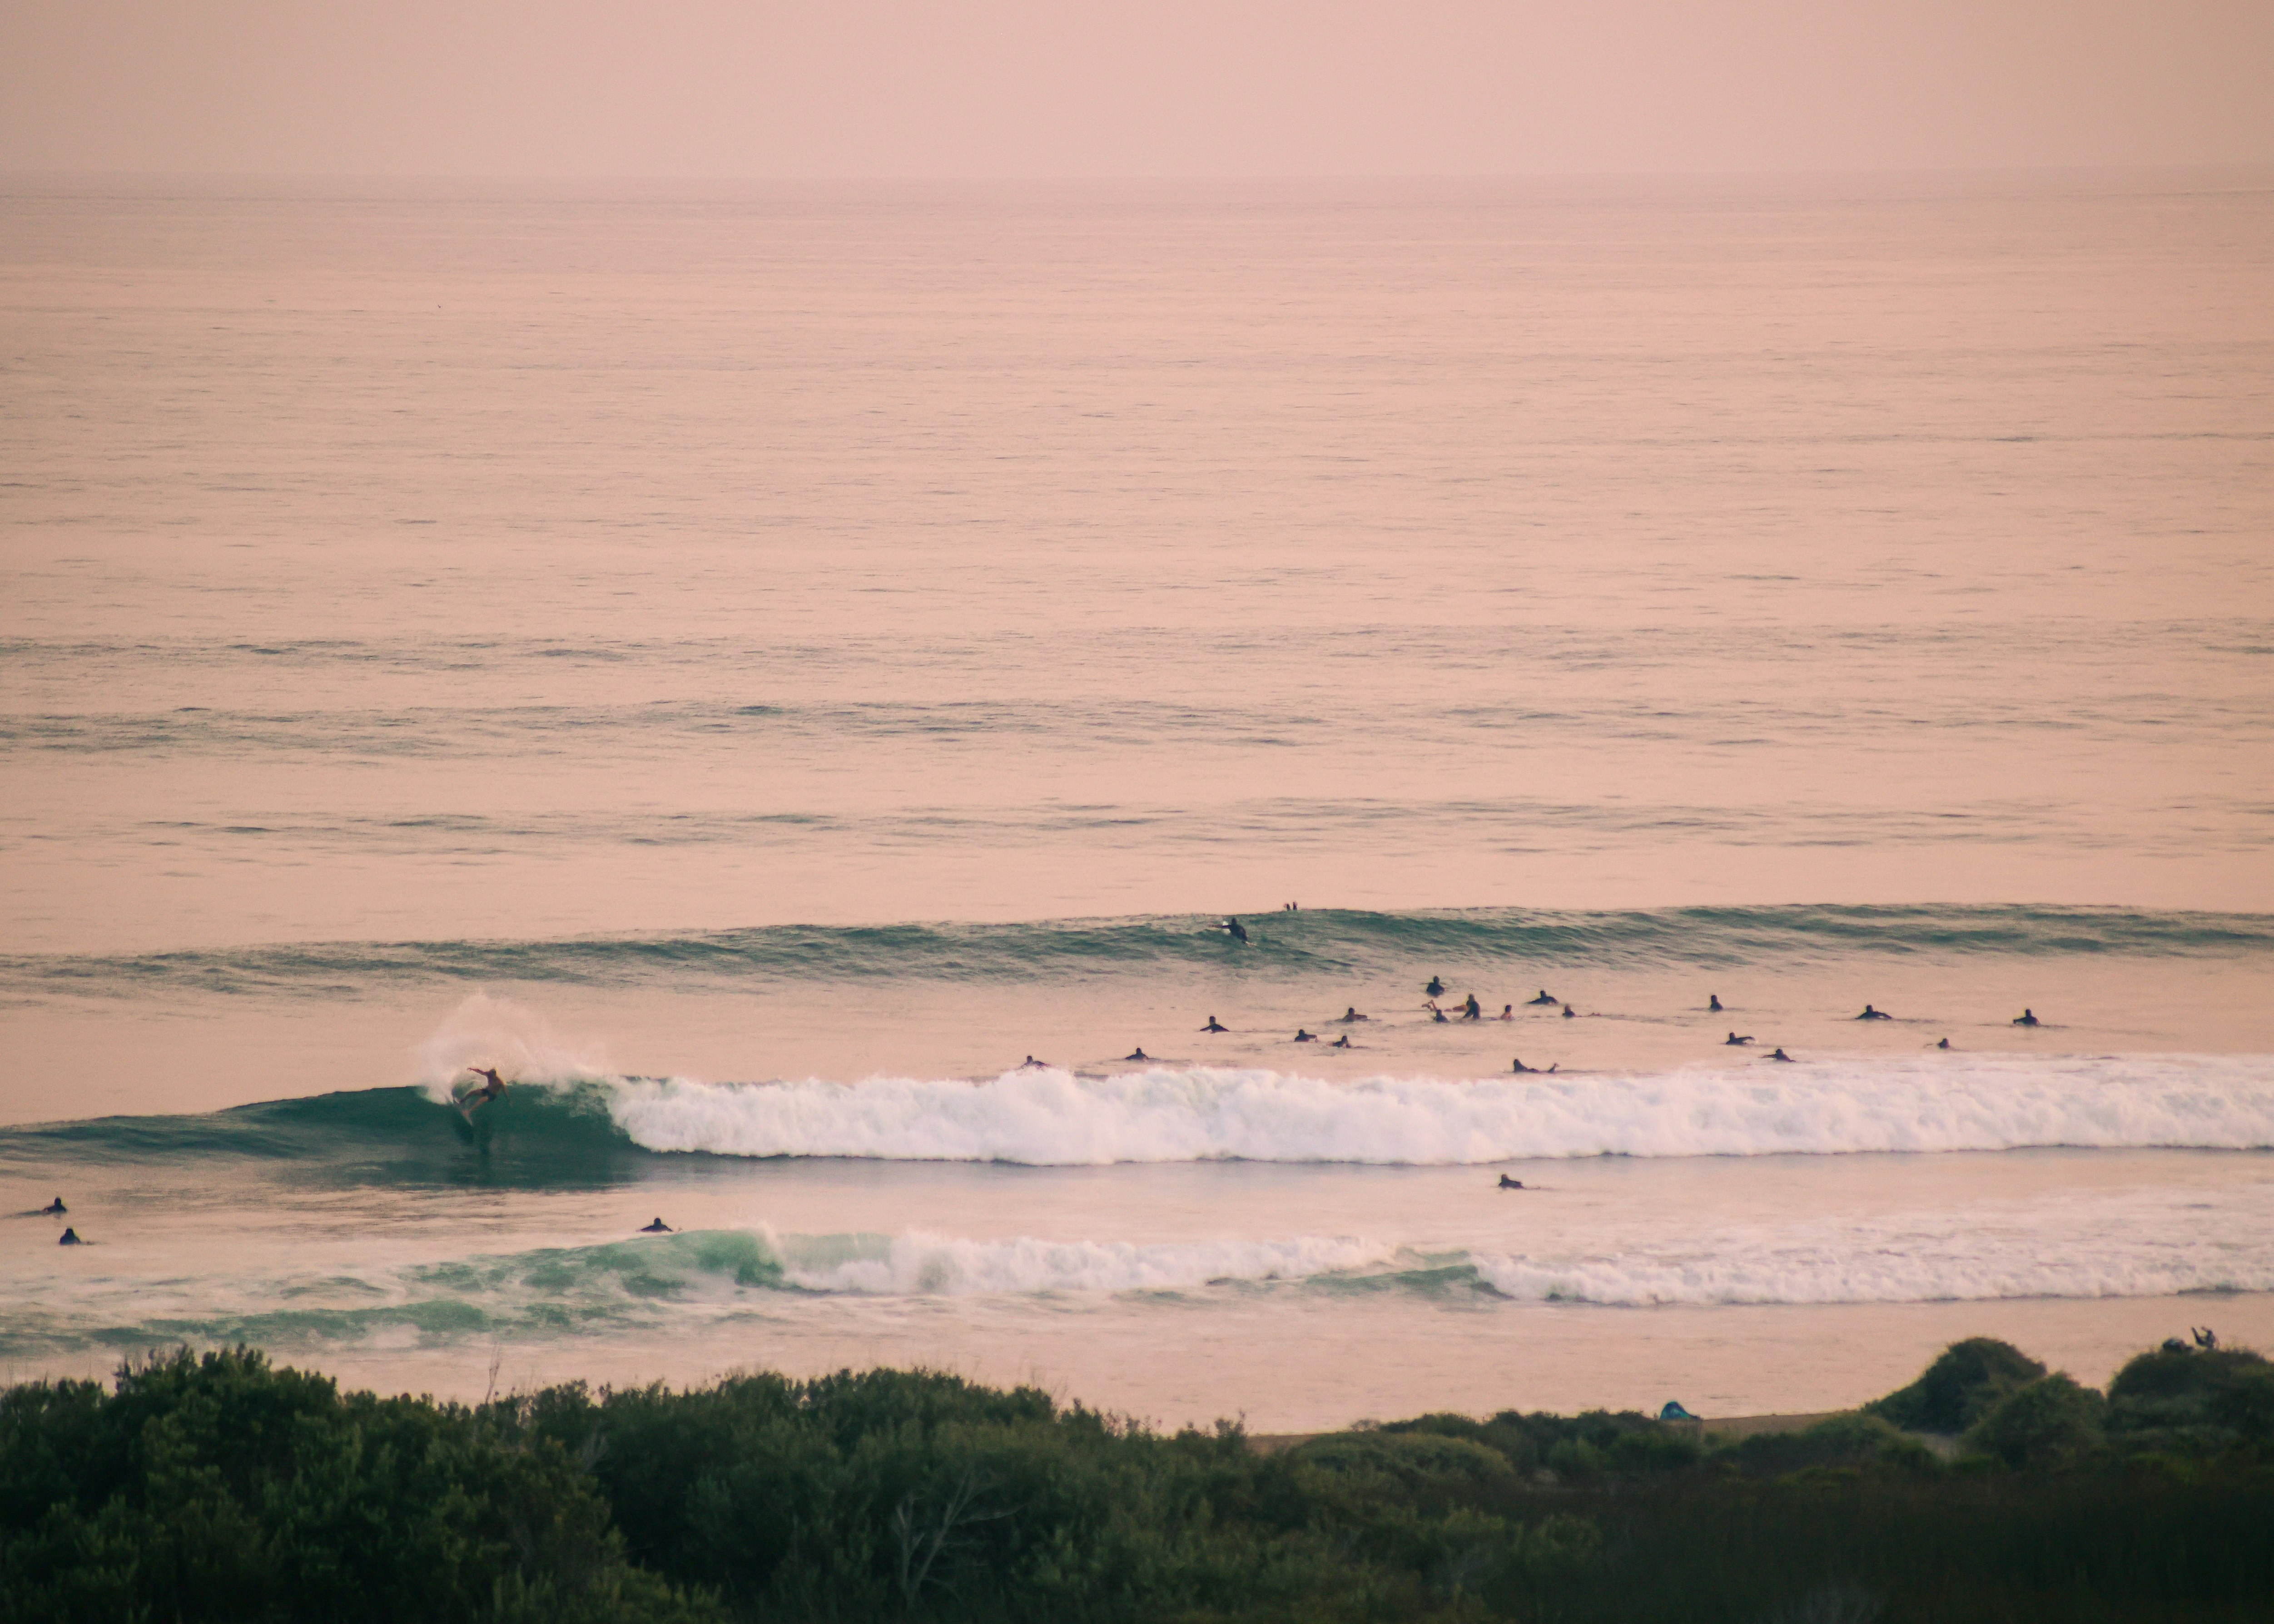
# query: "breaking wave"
582, 1126
1048, 1118
2146, 1244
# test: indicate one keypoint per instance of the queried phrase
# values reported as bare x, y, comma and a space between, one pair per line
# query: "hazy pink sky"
765, 88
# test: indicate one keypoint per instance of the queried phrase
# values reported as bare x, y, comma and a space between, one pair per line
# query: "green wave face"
534, 1138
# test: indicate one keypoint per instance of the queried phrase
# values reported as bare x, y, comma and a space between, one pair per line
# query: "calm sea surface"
757, 667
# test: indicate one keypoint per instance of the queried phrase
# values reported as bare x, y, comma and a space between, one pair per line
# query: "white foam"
2143, 1244
2138, 1243
1054, 1118
2155, 1243
919, 1263
490, 1031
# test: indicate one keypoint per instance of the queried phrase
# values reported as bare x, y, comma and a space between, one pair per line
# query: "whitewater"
1049, 1118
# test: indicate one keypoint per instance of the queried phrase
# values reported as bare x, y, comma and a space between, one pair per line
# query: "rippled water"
818, 649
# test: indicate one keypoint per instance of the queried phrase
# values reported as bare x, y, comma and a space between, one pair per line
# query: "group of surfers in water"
1471, 1010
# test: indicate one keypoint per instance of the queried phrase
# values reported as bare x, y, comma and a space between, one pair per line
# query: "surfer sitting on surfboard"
494, 1089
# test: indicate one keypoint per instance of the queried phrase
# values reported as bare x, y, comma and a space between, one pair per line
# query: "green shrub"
1959, 1388
1412, 1459
2050, 1423
1577, 1458
2245, 1406
1857, 1441
1654, 1449
2193, 1401
216, 1487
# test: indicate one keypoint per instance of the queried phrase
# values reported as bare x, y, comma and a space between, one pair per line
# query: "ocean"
758, 667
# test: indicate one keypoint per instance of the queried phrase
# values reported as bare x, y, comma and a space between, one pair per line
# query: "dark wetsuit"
1506, 1183
70, 1237
1545, 998
1215, 1025
658, 1228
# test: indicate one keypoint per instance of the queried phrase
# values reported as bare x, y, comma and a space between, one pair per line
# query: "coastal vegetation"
218, 1486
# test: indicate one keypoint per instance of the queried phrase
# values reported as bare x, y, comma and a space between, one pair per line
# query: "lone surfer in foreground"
1137, 1053
1215, 1025
1506, 1183
1235, 930
494, 1089
658, 1228
2027, 1018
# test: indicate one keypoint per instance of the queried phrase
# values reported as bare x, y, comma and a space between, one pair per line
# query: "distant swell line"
1327, 941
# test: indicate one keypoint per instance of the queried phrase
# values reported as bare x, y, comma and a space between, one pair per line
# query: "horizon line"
11, 176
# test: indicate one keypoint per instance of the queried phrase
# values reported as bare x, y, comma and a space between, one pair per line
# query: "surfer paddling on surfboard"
494, 1089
